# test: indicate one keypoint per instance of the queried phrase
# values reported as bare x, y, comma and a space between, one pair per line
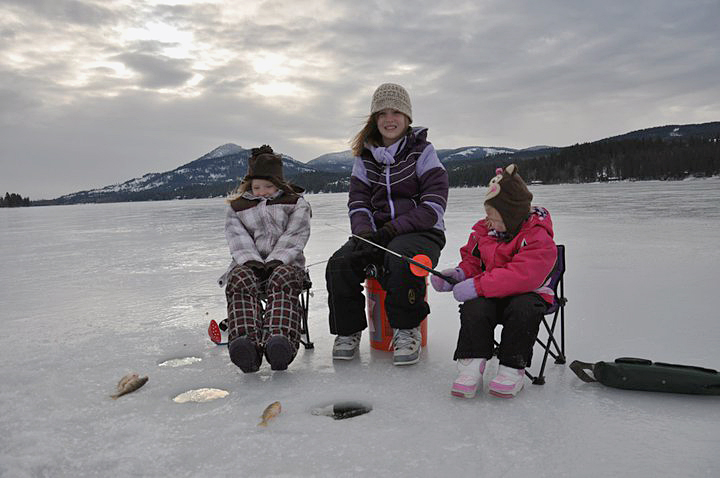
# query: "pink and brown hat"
509, 195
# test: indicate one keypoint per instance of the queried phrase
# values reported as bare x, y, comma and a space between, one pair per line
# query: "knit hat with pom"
509, 195
390, 95
265, 164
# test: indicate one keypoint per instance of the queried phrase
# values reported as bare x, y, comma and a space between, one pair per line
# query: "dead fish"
129, 383
270, 412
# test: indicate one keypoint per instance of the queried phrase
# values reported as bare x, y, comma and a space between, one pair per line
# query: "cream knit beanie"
390, 95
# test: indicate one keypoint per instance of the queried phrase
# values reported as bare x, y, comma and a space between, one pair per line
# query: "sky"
97, 92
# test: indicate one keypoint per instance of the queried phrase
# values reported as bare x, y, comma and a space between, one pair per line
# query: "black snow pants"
405, 301
520, 316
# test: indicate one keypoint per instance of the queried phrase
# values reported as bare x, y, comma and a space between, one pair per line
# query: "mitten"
257, 267
384, 235
465, 290
270, 267
441, 285
363, 248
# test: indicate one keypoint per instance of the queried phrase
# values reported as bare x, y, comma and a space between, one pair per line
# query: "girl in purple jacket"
503, 279
398, 195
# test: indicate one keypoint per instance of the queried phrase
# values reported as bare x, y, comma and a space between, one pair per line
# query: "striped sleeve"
359, 207
434, 185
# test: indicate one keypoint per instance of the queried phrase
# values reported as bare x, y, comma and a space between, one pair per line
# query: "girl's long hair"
369, 134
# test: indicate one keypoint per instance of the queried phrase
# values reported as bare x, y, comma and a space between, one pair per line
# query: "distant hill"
213, 174
672, 132
663, 152
342, 161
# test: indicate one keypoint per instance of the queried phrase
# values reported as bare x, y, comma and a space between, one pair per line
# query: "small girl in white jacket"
267, 226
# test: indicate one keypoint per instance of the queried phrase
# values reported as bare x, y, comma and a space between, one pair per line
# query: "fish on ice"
201, 395
270, 412
129, 383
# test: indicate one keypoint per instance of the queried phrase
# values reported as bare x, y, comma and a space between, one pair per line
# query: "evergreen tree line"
14, 200
633, 159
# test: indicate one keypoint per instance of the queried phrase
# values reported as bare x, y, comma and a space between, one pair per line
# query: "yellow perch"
129, 383
270, 412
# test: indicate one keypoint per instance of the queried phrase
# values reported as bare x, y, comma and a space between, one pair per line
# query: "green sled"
642, 374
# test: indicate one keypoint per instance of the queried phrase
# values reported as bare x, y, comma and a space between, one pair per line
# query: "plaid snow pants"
258, 310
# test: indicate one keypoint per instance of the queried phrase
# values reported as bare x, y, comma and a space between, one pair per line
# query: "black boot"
245, 354
278, 352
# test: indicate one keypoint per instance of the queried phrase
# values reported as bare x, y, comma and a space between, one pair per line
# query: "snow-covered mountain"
219, 170
471, 153
342, 162
333, 162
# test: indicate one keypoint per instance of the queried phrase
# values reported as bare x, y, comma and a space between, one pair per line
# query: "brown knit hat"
265, 164
390, 95
508, 193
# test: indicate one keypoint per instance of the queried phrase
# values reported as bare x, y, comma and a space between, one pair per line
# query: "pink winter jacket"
524, 264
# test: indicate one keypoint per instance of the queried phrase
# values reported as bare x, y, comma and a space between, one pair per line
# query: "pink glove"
441, 285
465, 290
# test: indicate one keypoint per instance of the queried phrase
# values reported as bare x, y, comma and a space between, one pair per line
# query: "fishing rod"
316, 263
419, 265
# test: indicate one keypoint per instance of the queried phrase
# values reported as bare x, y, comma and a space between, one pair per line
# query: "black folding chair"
305, 309
557, 311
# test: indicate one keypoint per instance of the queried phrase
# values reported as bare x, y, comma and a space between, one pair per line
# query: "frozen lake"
89, 293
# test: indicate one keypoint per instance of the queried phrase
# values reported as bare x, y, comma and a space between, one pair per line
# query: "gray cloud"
73, 11
154, 86
156, 71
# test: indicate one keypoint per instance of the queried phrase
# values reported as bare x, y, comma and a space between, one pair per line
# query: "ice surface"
89, 293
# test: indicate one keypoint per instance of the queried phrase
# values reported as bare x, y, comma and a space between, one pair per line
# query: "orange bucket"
381, 333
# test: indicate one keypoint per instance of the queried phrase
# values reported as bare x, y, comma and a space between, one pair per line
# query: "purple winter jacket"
404, 184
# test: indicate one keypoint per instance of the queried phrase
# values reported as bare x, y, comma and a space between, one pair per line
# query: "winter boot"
278, 352
508, 382
469, 378
245, 354
406, 346
346, 346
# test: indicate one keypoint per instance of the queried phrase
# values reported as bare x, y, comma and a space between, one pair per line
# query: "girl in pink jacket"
503, 279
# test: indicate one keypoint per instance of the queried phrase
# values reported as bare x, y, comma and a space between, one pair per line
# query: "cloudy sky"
95, 92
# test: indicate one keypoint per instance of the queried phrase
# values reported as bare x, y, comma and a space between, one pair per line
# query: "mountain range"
217, 172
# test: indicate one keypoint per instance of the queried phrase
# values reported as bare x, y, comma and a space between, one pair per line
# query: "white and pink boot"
469, 377
508, 382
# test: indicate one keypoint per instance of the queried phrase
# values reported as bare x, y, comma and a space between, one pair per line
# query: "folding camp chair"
557, 310
214, 329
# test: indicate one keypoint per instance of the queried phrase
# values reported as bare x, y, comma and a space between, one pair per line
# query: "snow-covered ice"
89, 293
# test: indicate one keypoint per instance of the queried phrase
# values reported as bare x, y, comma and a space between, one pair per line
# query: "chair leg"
550, 347
305, 330
559, 354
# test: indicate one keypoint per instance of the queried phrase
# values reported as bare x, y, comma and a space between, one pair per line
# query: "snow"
90, 293
224, 150
493, 151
